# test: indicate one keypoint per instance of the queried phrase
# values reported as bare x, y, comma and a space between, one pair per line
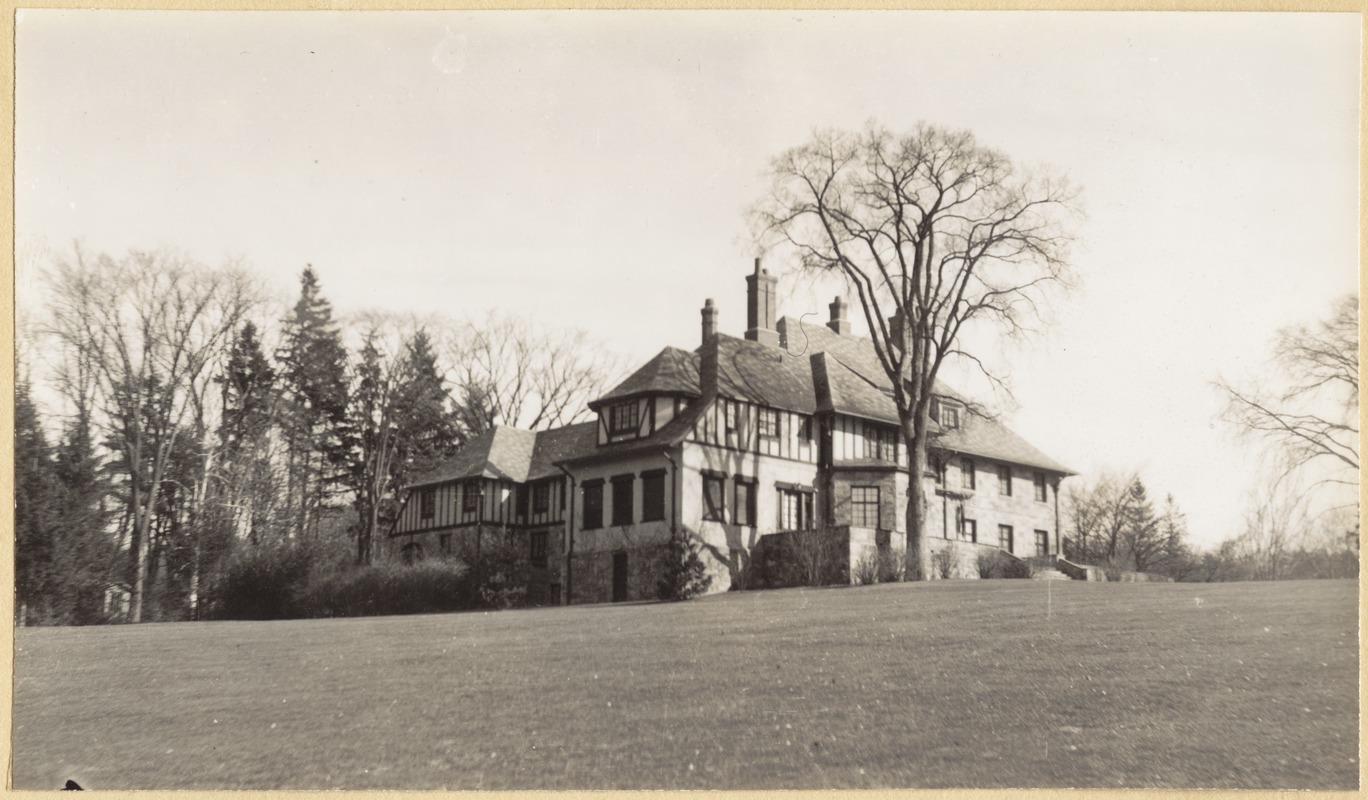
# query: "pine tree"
313, 372
36, 503
428, 430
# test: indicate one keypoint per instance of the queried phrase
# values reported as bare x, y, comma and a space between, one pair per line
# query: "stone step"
1049, 575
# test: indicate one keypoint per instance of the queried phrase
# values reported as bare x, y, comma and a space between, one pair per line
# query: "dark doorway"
619, 577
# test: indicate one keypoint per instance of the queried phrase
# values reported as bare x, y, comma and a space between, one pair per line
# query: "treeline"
1300, 519
169, 426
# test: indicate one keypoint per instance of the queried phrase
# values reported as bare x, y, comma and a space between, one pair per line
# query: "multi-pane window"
653, 495
730, 415
1042, 543
967, 475
864, 506
714, 498
1004, 480
444, 542
1005, 538
541, 498
622, 418
745, 501
805, 429
536, 547
795, 509
1040, 487
470, 498
880, 443
950, 417
622, 499
427, 503
769, 422
593, 505
969, 530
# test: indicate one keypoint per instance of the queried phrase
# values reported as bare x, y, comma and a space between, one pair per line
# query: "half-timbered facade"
736, 444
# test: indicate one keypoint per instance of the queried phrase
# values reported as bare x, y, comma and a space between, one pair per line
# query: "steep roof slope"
671, 371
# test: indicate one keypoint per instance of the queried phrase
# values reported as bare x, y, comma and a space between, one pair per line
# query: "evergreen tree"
249, 402
429, 432
37, 498
313, 372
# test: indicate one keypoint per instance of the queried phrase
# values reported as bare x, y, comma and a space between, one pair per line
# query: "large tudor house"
737, 444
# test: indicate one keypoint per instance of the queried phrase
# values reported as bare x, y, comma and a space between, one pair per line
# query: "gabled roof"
504, 453
671, 371
852, 381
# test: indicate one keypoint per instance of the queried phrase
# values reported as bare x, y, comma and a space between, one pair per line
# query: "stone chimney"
838, 322
761, 288
709, 320
707, 367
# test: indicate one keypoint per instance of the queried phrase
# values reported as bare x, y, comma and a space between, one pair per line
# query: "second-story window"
470, 498
1004, 480
880, 443
1040, 487
622, 418
805, 430
427, 503
769, 422
622, 499
730, 414
967, 476
541, 498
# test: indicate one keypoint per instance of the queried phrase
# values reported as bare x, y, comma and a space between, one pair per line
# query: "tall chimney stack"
709, 320
838, 322
761, 288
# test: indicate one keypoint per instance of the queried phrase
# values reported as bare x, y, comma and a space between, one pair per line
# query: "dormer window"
950, 417
622, 418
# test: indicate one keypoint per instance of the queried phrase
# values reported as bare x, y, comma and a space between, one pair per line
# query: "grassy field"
949, 684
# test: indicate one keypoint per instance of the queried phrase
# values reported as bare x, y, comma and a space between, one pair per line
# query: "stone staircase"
1046, 568
1048, 575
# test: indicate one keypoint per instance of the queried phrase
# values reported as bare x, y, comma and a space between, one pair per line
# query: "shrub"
262, 582
502, 573
867, 569
681, 573
1001, 565
946, 563
390, 588
892, 566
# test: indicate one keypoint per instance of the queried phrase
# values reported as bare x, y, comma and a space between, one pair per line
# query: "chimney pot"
838, 322
761, 310
709, 320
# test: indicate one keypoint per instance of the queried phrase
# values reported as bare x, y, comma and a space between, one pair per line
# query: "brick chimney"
709, 320
838, 322
761, 288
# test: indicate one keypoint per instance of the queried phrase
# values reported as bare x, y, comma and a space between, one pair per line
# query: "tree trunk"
916, 500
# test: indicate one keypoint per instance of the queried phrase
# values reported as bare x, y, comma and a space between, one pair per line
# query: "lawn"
948, 684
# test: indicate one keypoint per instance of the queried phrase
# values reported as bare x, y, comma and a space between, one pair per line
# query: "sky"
593, 169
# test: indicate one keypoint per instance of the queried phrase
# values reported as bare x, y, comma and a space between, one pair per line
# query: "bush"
262, 582
867, 569
1001, 565
502, 574
681, 573
892, 566
946, 563
391, 588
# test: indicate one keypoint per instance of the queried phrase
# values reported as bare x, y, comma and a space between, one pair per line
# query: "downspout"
1059, 532
674, 493
569, 531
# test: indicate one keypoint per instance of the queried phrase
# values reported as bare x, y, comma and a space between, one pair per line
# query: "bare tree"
509, 371
1308, 411
148, 327
937, 234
